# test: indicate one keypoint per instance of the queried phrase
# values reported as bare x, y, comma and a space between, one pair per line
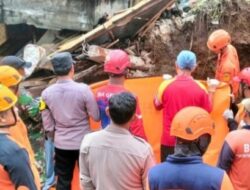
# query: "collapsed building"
152, 32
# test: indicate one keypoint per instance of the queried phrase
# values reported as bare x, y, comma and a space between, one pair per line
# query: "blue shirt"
188, 173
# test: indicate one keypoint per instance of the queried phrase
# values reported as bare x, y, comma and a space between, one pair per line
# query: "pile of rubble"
152, 33
123, 31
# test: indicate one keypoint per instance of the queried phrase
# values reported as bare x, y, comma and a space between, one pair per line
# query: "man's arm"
48, 120
91, 104
136, 127
226, 157
85, 179
47, 117
18, 167
157, 103
231, 122
158, 98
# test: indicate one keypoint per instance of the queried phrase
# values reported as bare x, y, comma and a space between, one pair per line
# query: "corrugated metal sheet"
60, 14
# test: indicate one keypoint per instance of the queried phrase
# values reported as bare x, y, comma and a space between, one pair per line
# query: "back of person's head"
15, 62
192, 124
244, 76
218, 40
9, 76
116, 63
62, 63
244, 79
186, 60
122, 107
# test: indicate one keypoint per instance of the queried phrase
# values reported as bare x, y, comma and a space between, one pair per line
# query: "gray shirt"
69, 106
113, 159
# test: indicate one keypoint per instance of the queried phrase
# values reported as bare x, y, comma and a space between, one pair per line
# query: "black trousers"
165, 151
65, 161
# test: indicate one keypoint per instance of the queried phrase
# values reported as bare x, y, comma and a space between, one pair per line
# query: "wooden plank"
152, 21
116, 21
3, 34
87, 72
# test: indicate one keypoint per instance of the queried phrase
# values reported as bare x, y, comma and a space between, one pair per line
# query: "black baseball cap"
62, 62
15, 62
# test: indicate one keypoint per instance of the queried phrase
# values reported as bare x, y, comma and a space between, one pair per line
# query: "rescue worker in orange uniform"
193, 128
227, 66
244, 92
15, 169
11, 78
235, 154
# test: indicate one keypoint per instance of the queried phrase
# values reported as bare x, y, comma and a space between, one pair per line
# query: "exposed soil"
170, 36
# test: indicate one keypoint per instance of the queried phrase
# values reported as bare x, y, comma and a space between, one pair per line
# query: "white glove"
242, 124
166, 76
212, 84
228, 114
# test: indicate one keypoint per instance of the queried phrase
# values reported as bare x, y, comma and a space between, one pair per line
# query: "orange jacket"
20, 134
228, 67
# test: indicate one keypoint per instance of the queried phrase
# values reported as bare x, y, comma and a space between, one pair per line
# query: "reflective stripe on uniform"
162, 88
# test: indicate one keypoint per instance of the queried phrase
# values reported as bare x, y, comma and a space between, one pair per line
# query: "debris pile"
152, 33
120, 31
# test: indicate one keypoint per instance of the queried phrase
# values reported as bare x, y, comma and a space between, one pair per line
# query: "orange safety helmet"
9, 76
117, 61
244, 76
192, 122
7, 98
218, 40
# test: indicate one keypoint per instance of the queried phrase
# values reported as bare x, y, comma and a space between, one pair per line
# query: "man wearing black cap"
68, 107
29, 105
16, 62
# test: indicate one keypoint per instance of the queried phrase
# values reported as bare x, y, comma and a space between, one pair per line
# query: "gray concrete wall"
59, 14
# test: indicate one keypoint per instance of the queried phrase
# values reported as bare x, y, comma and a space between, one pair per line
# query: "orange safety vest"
228, 67
20, 134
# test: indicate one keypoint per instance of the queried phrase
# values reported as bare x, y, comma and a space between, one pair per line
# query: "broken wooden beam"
86, 72
98, 54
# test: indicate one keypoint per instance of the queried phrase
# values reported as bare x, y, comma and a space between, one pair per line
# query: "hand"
167, 76
212, 84
228, 114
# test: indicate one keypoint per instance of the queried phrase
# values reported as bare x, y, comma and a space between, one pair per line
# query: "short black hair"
62, 72
122, 107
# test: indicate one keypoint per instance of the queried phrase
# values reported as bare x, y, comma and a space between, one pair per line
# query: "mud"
170, 36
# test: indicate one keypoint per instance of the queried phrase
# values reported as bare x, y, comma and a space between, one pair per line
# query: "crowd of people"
118, 156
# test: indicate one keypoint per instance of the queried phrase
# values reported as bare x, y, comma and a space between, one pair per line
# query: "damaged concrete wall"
60, 14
